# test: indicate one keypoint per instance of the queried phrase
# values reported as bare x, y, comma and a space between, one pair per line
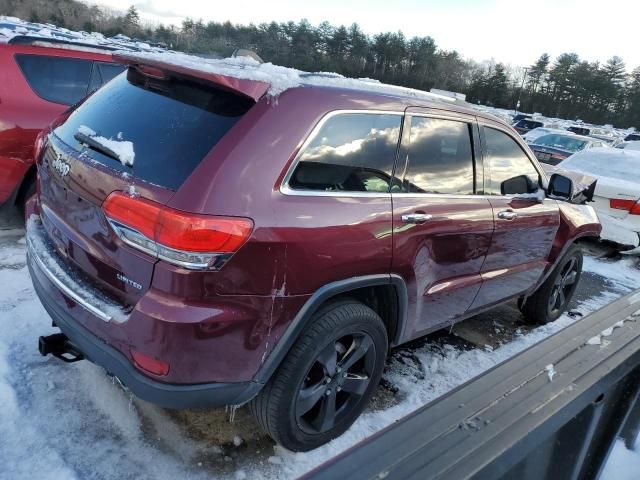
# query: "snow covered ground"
62, 421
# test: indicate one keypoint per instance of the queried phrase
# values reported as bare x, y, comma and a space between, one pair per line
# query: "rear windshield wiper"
94, 144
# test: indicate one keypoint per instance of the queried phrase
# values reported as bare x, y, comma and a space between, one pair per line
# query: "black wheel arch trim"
552, 266
305, 315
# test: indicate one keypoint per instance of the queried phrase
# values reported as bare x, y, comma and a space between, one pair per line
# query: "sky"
515, 32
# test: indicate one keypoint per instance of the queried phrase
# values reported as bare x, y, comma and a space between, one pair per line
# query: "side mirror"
560, 187
519, 185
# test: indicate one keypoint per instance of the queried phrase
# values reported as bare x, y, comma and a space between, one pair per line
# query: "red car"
210, 245
42, 72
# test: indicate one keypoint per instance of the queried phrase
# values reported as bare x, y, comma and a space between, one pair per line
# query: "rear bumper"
115, 363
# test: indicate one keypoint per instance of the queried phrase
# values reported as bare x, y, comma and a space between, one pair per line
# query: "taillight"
41, 141
186, 239
150, 364
630, 206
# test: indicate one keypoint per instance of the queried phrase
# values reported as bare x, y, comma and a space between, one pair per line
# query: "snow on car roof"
16, 31
278, 78
615, 164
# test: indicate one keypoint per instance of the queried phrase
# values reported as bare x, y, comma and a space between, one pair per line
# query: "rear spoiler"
584, 186
253, 89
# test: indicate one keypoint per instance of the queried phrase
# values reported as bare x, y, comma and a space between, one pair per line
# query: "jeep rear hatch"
139, 137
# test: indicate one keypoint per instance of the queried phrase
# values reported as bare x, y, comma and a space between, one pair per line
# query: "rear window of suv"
172, 124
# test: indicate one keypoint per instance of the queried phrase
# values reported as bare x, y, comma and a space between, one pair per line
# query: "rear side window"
102, 73
56, 79
171, 124
511, 171
352, 152
440, 157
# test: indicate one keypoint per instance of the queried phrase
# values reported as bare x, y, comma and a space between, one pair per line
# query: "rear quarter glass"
172, 124
56, 79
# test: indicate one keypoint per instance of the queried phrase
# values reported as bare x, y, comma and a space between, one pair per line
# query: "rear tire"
327, 378
553, 296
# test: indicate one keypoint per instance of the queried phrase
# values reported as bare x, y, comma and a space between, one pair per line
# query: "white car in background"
630, 145
617, 193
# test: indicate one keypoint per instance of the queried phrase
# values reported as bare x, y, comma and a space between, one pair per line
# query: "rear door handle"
416, 218
507, 215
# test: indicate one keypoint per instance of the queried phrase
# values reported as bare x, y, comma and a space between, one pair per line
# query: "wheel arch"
28, 178
392, 307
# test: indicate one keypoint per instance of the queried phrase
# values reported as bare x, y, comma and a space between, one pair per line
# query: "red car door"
525, 224
442, 227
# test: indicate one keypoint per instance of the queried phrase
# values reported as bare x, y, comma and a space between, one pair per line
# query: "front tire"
326, 380
552, 298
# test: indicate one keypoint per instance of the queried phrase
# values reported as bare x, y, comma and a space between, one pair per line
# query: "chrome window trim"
471, 196
66, 289
285, 189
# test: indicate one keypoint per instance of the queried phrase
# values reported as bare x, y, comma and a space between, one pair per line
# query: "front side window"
440, 157
352, 152
56, 79
511, 171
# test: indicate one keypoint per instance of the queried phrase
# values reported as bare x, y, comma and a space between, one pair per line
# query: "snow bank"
72, 421
622, 464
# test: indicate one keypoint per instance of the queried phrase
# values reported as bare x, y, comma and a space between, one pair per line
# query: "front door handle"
416, 218
507, 215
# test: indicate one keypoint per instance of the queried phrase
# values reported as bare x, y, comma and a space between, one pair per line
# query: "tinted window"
529, 124
440, 157
579, 130
563, 142
171, 124
102, 73
508, 165
56, 79
351, 152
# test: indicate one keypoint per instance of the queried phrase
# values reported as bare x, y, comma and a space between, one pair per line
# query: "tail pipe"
60, 347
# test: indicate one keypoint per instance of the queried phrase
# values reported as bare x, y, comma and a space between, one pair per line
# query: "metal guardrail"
518, 420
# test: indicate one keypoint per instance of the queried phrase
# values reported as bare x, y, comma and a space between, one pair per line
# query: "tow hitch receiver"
60, 347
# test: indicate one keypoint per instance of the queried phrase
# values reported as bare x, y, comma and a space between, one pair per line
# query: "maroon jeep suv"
210, 244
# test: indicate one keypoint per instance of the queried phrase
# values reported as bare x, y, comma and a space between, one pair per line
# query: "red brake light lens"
630, 206
150, 364
187, 239
133, 212
201, 233
620, 204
